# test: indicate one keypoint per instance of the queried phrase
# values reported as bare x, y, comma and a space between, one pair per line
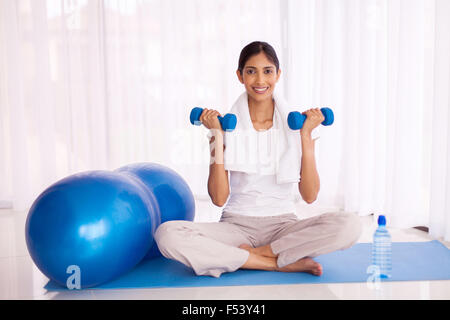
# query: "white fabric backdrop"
90, 85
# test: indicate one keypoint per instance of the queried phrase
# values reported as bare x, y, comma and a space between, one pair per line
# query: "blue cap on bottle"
381, 220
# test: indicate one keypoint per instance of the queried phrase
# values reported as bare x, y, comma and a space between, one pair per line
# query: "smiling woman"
259, 66
258, 228
259, 71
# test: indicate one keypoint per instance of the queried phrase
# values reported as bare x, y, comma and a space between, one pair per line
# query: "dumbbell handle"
296, 119
228, 121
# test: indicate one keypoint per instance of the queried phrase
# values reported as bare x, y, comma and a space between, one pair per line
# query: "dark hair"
254, 48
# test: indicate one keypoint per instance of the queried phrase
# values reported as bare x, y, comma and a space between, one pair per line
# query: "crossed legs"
214, 248
292, 249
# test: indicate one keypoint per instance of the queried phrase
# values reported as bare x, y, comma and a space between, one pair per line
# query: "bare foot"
246, 247
304, 265
265, 251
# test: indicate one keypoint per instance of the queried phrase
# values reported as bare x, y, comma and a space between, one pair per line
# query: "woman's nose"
259, 78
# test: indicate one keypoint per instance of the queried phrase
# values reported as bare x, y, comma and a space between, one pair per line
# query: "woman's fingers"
314, 117
211, 114
202, 116
314, 114
318, 114
209, 118
208, 113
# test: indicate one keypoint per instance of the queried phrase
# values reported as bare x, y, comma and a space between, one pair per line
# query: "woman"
258, 228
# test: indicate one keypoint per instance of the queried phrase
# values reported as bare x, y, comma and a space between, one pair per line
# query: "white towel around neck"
241, 144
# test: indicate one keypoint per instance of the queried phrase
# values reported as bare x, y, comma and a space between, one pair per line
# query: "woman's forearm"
309, 184
218, 186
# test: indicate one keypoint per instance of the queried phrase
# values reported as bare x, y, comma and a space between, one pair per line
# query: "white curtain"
90, 85
439, 109
383, 66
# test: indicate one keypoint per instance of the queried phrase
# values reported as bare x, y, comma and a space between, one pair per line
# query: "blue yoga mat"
411, 261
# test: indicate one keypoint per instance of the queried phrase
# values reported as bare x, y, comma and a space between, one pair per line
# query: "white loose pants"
211, 248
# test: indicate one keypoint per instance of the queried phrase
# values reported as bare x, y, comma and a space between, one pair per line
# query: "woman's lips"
260, 90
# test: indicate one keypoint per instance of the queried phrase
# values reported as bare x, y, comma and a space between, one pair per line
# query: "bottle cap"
381, 220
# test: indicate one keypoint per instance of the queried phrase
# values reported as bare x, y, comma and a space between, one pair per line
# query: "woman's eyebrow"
268, 67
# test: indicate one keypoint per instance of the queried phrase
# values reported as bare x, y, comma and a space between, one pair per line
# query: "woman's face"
259, 77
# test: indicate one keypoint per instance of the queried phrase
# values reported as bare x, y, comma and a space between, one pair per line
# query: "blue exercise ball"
98, 221
172, 193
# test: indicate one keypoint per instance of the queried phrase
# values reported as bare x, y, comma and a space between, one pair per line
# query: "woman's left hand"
314, 117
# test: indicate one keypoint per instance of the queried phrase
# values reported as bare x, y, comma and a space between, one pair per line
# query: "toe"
319, 269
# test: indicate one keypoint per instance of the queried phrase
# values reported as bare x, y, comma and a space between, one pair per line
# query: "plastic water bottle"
381, 249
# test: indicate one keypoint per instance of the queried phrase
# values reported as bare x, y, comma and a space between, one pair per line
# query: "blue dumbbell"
228, 121
296, 119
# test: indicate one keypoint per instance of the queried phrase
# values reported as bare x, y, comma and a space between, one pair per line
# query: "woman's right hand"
209, 119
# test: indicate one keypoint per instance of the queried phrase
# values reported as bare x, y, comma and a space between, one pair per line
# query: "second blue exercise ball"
174, 197
98, 221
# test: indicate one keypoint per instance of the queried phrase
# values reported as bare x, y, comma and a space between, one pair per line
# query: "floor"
20, 278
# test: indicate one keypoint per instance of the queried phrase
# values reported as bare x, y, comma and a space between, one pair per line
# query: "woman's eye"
251, 71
